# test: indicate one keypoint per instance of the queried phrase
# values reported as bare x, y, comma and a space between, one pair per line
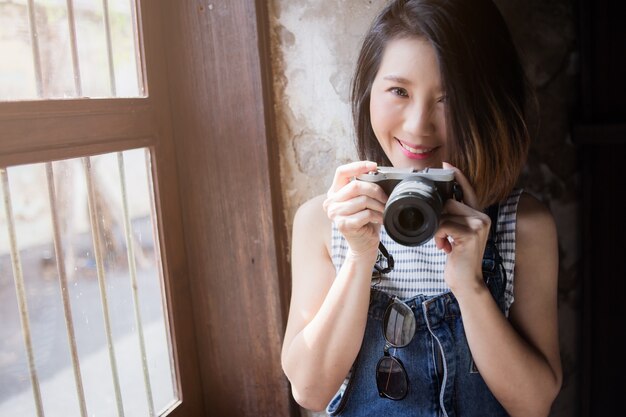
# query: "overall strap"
493, 211
493, 267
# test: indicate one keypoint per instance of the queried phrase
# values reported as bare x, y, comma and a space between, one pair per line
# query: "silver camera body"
416, 199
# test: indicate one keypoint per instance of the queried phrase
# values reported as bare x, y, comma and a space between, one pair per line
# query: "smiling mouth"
420, 151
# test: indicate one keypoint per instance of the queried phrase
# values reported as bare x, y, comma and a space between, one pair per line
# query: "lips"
420, 152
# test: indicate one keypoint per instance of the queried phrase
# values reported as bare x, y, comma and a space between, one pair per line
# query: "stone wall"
314, 48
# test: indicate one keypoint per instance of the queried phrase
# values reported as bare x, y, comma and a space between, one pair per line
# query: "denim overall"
443, 380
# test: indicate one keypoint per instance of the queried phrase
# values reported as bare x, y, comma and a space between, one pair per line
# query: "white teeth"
413, 150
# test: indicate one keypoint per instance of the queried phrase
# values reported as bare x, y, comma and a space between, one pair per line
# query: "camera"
416, 199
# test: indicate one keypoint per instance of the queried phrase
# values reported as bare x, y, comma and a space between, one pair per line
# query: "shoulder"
312, 208
534, 219
536, 237
311, 223
311, 213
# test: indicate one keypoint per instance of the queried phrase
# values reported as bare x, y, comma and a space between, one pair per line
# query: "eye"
443, 99
399, 91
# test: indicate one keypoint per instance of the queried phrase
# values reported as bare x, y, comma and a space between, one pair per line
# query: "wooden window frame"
209, 123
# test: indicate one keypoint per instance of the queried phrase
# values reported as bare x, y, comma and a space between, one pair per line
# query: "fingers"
359, 188
344, 207
358, 195
356, 207
354, 198
345, 173
462, 222
469, 195
452, 234
461, 225
348, 224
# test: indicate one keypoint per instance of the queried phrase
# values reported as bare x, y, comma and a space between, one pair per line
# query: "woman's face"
407, 105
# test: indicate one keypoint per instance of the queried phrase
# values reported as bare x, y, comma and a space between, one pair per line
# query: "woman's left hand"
462, 234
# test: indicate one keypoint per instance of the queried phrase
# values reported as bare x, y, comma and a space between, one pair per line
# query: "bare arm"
519, 358
328, 310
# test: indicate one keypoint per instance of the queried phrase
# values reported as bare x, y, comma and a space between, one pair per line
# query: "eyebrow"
397, 79
401, 80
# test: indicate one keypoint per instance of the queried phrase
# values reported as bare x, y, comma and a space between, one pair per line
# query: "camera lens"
410, 218
412, 212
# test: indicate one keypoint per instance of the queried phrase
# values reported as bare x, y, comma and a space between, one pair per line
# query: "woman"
466, 323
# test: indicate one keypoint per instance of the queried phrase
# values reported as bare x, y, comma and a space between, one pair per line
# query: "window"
201, 109
78, 242
85, 297
65, 49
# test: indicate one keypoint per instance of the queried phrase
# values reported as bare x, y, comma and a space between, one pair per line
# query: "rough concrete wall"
315, 43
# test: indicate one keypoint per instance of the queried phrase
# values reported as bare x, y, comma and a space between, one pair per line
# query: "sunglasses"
398, 329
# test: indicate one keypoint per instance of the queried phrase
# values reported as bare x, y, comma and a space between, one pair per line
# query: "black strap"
383, 253
492, 248
493, 211
492, 261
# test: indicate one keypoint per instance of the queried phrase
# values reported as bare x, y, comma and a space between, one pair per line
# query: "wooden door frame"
220, 97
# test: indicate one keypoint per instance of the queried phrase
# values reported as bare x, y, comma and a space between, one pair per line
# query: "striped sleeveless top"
419, 269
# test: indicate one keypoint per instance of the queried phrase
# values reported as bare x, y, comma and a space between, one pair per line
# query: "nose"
419, 120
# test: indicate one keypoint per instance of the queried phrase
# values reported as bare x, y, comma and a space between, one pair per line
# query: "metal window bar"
69, 321
93, 217
20, 290
157, 254
78, 85
107, 29
132, 267
135, 14
34, 40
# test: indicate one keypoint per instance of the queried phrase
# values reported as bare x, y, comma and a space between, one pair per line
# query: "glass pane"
105, 346
89, 50
17, 75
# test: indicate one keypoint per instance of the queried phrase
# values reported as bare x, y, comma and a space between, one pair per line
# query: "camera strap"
384, 253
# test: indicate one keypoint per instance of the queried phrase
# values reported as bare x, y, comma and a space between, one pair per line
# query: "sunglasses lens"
399, 324
391, 378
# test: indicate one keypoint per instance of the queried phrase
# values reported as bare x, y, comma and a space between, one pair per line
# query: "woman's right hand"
356, 207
